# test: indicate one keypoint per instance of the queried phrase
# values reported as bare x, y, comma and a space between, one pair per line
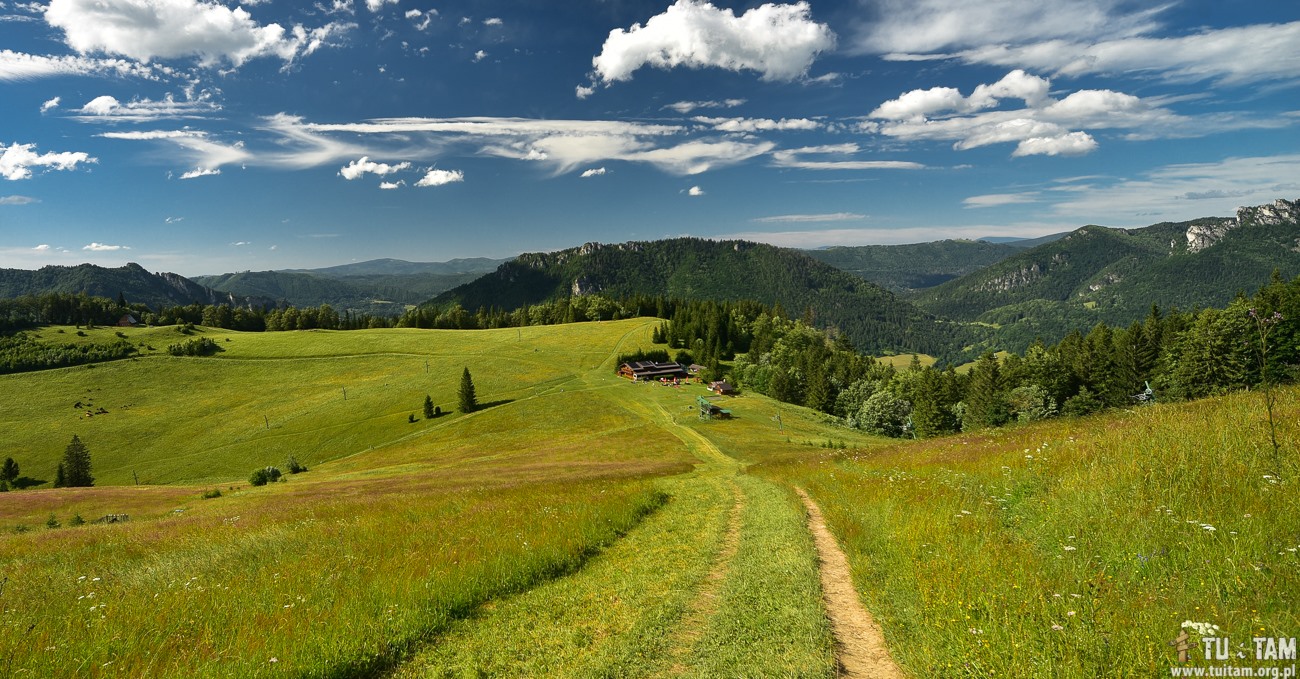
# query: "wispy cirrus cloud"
811, 218
104, 247
17, 200
108, 108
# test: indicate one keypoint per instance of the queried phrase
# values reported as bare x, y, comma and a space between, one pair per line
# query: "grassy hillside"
1076, 548
583, 525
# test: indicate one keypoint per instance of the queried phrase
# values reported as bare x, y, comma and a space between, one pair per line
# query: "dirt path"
859, 646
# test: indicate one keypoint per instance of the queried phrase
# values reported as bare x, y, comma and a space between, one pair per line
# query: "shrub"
77, 521
294, 466
264, 476
52, 522
209, 494
198, 346
411, 418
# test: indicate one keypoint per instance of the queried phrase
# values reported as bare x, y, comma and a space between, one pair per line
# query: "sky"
210, 137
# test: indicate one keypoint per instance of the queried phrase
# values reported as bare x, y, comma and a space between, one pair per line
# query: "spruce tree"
428, 407
60, 478
9, 472
76, 465
468, 400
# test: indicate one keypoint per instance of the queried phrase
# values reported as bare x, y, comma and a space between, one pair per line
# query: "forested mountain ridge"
133, 282
690, 268
1098, 274
904, 268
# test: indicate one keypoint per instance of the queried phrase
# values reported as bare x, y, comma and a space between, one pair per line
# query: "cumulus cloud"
103, 247
51, 104
493, 21
480, 56
389, 186
358, 168
685, 107
201, 172
17, 200
43, 247
593, 172
441, 177
583, 91
145, 30
695, 191
376, 5
779, 42
807, 219
1044, 126
17, 161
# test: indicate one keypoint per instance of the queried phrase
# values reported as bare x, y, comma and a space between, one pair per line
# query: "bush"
77, 521
52, 522
209, 494
294, 466
264, 476
198, 346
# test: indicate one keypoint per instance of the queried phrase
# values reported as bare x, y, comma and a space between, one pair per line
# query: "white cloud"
1072, 144
441, 177
817, 218
1237, 55
778, 41
480, 56
582, 91
795, 158
17, 160
758, 124
695, 191
593, 172
145, 30
241, 243
51, 104
924, 26
1044, 126
201, 172
358, 168
376, 5
43, 247
492, 21
106, 107
389, 186
174, 220
534, 154
1180, 192
102, 247
20, 67
17, 200
413, 14
1000, 199
685, 107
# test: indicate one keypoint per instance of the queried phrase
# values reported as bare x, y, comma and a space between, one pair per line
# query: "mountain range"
945, 298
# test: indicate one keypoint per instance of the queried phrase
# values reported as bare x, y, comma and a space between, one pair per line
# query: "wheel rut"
860, 649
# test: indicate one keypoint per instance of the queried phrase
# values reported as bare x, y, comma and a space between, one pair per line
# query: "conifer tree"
468, 400
76, 465
428, 407
9, 472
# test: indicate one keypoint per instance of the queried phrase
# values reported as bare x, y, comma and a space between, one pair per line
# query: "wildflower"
1070, 613
1208, 527
1070, 548
965, 512
1056, 627
274, 660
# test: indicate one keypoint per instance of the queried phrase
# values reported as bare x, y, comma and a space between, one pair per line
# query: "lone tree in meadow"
74, 470
468, 401
428, 407
9, 472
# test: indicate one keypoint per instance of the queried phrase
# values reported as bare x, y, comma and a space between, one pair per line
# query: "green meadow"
581, 525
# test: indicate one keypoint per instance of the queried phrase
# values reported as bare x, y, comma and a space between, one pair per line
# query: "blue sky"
209, 137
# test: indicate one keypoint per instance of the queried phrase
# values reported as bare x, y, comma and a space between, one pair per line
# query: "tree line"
1172, 355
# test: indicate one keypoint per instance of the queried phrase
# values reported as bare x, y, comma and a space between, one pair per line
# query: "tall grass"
1074, 548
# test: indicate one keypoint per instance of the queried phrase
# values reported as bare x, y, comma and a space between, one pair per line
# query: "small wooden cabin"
127, 321
722, 388
638, 371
